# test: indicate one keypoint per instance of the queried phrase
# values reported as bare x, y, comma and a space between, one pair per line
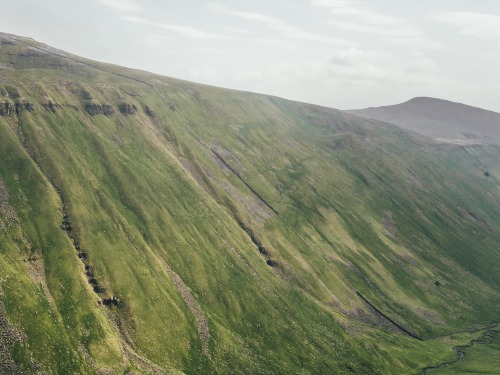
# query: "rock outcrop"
108, 110
14, 93
149, 111
127, 109
51, 106
86, 95
94, 109
7, 109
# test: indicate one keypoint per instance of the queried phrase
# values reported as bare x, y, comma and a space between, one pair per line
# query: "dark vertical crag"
66, 224
397, 325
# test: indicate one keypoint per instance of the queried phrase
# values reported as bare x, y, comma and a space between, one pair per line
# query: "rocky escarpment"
15, 104
127, 109
7, 109
51, 106
94, 109
10, 92
82, 254
262, 250
398, 326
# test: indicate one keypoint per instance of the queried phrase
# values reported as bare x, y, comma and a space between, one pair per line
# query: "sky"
344, 54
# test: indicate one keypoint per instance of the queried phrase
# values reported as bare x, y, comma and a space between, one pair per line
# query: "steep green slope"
154, 225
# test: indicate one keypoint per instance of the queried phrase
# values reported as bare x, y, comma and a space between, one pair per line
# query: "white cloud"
283, 44
155, 41
211, 50
239, 31
186, 31
421, 42
380, 67
363, 28
124, 5
296, 33
345, 11
258, 17
353, 66
399, 34
335, 3
480, 25
203, 75
339, 7
249, 76
281, 26
190, 32
389, 29
381, 19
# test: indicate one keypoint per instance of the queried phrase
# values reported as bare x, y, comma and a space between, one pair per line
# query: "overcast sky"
339, 53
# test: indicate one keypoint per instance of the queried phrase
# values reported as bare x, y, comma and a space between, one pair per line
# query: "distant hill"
440, 119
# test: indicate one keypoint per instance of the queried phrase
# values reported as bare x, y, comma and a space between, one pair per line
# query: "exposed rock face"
128, 109
52, 107
93, 109
99, 109
8, 214
9, 337
27, 106
113, 301
108, 110
14, 93
7, 109
149, 111
86, 95
272, 263
116, 138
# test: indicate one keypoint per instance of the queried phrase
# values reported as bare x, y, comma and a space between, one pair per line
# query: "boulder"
93, 109
127, 109
108, 110
149, 111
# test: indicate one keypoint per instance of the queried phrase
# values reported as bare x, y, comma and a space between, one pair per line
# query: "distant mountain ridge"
440, 119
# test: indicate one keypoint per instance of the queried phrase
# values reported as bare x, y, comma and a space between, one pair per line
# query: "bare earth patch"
9, 336
389, 224
6, 210
194, 306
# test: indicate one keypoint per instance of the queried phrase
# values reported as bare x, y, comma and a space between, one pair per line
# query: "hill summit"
440, 119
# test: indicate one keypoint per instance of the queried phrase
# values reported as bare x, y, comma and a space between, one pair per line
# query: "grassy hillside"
152, 225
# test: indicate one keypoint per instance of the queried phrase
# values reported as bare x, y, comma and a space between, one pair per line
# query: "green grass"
482, 358
141, 192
